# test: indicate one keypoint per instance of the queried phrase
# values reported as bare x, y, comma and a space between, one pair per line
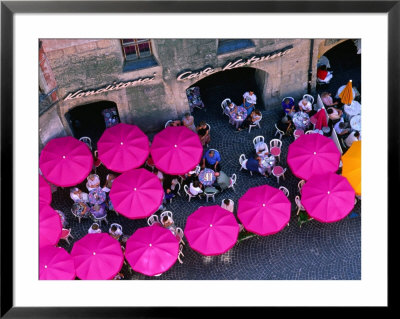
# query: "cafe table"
355, 122
207, 177
301, 120
239, 116
97, 196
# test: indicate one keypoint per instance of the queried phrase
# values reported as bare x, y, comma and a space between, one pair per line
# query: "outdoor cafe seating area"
129, 176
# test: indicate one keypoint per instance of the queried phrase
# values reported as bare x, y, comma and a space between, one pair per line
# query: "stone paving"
317, 251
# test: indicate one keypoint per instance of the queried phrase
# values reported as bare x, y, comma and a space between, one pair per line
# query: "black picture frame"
9, 8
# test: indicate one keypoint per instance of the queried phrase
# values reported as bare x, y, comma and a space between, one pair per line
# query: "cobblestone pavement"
313, 251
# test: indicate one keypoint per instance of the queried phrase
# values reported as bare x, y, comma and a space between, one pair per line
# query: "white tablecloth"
353, 109
355, 122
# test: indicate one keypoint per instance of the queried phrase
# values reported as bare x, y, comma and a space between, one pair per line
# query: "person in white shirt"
305, 105
93, 181
78, 196
353, 137
109, 180
341, 127
195, 188
228, 205
261, 149
249, 100
94, 229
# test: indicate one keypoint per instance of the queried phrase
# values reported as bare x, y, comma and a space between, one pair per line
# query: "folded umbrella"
264, 210
346, 96
123, 147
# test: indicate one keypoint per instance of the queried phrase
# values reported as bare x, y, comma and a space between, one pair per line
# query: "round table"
98, 211
207, 177
353, 109
97, 196
355, 122
301, 120
80, 210
239, 116
268, 164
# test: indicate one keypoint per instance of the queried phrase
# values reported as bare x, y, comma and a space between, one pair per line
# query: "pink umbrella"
152, 250
44, 191
123, 147
211, 230
176, 150
55, 264
313, 154
136, 193
264, 210
65, 161
97, 257
328, 197
49, 226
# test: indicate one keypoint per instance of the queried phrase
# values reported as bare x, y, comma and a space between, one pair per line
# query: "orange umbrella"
346, 96
352, 166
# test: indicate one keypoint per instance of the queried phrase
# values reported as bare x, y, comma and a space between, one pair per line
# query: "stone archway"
232, 84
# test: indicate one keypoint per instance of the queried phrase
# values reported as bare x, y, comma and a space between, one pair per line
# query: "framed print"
247, 79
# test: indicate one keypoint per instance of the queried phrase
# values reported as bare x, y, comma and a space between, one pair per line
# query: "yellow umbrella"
352, 166
346, 96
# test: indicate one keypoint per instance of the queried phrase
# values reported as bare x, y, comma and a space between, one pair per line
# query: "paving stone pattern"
317, 251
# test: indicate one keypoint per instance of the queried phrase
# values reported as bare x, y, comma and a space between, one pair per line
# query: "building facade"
144, 81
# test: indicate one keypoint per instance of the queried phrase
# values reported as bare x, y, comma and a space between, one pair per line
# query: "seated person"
342, 128
190, 178
353, 137
94, 229
93, 182
231, 108
305, 106
222, 181
188, 121
261, 149
115, 232
203, 132
323, 74
168, 223
228, 205
175, 123
78, 196
195, 188
253, 164
109, 180
159, 174
211, 160
334, 114
119, 276
288, 106
286, 125
327, 100
249, 100
251, 119
169, 185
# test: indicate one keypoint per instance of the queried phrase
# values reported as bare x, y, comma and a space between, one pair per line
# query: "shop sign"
112, 87
238, 63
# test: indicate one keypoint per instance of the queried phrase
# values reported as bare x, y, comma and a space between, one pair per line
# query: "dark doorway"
345, 64
229, 84
90, 119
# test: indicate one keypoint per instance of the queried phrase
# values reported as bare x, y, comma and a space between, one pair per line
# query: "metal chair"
300, 185
256, 123
258, 139
65, 234
179, 234
278, 171
180, 253
310, 132
152, 220
242, 162
309, 98
166, 213
186, 189
233, 182
275, 146
168, 122
224, 104
278, 131
299, 205
87, 140
284, 190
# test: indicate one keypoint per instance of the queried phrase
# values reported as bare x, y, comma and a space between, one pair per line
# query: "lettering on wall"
238, 63
112, 87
